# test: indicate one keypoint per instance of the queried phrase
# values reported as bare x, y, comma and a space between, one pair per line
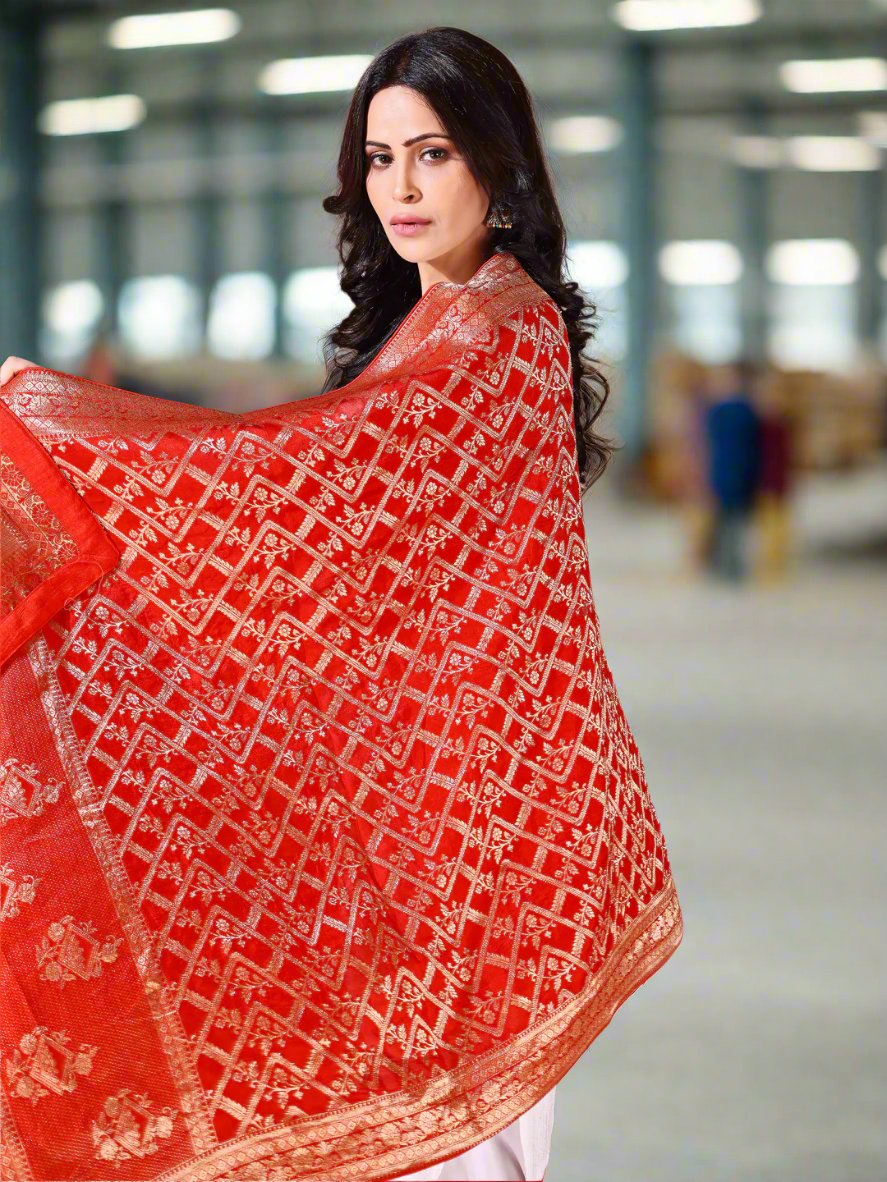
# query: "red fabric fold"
52, 547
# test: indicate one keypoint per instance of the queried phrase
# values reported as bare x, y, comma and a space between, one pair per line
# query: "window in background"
601, 269
241, 316
702, 280
161, 317
70, 318
813, 303
312, 303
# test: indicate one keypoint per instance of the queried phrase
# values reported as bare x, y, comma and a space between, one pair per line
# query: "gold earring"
499, 218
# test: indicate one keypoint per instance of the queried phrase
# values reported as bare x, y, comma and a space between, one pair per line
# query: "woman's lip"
409, 228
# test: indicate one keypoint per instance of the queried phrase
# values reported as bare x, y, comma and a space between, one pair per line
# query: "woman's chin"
414, 252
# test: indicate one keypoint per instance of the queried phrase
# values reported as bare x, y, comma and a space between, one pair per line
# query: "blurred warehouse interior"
721, 168
722, 171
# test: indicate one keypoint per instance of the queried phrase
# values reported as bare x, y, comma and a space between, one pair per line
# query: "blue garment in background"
731, 428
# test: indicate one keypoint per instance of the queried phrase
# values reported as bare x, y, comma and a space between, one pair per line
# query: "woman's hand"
11, 366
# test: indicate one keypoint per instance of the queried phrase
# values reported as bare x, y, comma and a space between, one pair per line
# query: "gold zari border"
507, 1083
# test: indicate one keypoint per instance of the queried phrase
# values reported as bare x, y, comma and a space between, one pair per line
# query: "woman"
442, 143
441, 170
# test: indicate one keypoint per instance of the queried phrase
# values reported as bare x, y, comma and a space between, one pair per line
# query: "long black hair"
484, 105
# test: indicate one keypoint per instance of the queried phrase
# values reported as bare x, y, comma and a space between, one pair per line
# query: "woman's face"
428, 180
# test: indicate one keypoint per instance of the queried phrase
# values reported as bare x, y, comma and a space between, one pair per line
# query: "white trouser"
518, 1153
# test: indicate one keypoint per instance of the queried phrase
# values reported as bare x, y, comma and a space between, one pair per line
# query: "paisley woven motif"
327, 846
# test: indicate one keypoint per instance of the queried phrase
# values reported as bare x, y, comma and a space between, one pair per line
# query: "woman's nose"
404, 186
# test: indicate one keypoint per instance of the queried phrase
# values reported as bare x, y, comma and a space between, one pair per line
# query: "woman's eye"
378, 157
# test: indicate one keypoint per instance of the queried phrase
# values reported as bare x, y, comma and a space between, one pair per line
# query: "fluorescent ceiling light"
85, 116
825, 75
832, 153
173, 28
700, 261
308, 75
806, 262
757, 151
585, 133
814, 153
73, 307
873, 127
161, 316
240, 319
649, 15
597, 266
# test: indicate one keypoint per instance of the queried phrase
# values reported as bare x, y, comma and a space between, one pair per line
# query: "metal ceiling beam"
315, 107
829, 36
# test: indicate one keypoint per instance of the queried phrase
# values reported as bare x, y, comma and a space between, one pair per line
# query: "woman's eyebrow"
428, 135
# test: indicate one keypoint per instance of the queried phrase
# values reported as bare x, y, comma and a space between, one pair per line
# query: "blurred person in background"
772, 508
732, 436
100, 364
695, 492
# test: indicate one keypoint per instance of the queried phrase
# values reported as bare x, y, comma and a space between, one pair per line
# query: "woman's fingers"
11, 366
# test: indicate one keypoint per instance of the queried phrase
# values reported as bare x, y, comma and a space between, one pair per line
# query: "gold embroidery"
69, 950
127, 1127
22, 794
168, 1029
43, 1063
32, 541
15, 891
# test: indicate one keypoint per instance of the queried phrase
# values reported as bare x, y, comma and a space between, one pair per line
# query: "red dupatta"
327, 847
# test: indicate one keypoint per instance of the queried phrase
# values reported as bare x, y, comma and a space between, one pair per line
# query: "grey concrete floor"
758, 1052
